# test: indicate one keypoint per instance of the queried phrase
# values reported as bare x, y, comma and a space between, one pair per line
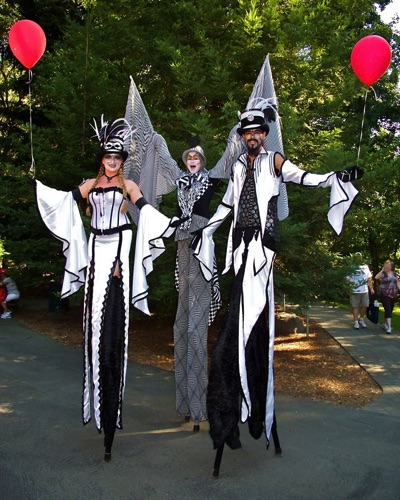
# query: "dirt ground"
315, 367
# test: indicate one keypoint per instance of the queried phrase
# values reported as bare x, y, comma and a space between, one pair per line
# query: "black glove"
197, 235
77, 195
352, 173
177, 222
141, 202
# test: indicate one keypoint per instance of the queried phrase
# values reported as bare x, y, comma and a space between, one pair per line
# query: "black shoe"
196, 428
256, 427
107, 454
234, 443
233, 440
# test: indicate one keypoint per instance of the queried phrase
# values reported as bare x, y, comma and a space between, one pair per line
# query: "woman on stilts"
106, 261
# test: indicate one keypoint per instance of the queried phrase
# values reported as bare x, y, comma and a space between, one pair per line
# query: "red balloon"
370, 58
27, 42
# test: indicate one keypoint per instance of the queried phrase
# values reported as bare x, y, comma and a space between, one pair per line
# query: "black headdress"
260, 112
112, 136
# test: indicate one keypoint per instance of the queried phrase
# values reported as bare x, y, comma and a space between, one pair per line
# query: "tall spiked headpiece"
112, 136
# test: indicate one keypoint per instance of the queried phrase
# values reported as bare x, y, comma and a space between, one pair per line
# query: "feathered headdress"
112, 136
260, 111
268, 105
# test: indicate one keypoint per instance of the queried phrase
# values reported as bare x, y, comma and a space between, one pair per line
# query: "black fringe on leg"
224, 388
88, 334
223, 396
257, 373
112, 359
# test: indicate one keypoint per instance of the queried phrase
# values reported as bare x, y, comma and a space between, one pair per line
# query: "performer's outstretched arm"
202, 243
343, 193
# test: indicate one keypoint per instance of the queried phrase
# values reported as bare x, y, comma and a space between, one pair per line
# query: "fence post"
308, 307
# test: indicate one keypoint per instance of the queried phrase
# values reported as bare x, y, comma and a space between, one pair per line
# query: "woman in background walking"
390, 282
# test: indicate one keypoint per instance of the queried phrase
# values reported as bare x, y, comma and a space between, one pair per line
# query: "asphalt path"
329, 452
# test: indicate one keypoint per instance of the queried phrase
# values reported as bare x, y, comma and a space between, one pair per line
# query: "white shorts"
12, 296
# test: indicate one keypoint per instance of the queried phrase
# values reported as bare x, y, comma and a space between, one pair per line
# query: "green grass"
395, 314
395, 317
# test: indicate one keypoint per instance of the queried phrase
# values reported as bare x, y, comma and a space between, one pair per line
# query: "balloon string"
375, 94
32, 169
362, 126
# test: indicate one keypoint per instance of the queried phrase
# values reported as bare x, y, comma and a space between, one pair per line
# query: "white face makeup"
193, 163
254, 139
112, 162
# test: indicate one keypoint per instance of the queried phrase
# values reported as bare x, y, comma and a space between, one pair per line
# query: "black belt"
112, 230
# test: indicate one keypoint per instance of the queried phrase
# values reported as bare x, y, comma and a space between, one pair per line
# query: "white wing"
263, 96
149, 162
234, 148
264, 89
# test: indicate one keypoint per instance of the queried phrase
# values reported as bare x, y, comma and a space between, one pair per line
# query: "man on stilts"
241, 382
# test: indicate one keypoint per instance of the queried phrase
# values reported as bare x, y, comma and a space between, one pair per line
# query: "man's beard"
253, 149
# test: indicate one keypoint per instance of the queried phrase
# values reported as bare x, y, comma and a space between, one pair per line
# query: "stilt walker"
105, 261
151, 165
241, 383
199, 300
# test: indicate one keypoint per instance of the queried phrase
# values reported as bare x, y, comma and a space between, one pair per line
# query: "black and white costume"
243, 358
106, 304
106, 307
198, 299
157, 173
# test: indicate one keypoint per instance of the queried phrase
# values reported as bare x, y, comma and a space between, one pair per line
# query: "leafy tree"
195, 64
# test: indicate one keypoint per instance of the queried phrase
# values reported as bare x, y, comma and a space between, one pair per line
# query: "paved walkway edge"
375, 351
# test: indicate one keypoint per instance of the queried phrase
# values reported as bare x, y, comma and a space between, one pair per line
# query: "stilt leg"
274, 431
111, 362
217, 462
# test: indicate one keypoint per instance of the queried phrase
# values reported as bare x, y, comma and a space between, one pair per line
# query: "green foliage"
395, 316
195, 63
307, 270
